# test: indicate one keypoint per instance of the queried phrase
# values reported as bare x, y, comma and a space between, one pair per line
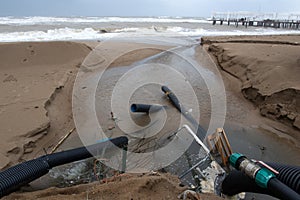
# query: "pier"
273, 20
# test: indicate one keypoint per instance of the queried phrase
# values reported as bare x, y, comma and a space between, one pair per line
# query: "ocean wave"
56, 20
95, 34
205, 32
54, 34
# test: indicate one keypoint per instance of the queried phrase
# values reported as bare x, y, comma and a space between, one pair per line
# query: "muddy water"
253, 142
244, 139
168, 68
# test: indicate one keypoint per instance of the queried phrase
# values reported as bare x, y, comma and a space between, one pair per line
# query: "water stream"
253, 142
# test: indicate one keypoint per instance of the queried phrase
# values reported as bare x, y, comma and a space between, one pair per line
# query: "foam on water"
92, 34
203, 32
55, 34
50, 20
15, 29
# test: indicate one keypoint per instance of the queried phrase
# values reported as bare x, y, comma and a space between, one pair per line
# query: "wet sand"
268, 71
37, 80
32, 76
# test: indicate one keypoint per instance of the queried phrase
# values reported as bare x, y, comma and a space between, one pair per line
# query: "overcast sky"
201, 8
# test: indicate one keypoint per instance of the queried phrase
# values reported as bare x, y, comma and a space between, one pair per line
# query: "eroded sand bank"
268, 68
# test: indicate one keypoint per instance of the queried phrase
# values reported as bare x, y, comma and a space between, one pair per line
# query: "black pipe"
22, 174
172, 97
200, 131
289, 175
282, 191
140, 108
237, 182
146, 108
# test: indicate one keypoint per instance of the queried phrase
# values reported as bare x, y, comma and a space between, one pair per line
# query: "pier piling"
273, 20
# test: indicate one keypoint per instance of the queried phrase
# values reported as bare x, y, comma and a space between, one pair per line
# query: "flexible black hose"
200, 130
281, 191
81, 153
289, 175
21, 174
237, 182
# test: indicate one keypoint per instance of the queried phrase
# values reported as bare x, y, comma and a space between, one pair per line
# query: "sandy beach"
261, 78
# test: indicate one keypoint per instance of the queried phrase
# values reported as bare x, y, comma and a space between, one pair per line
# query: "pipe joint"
263, 177
234, 158
249, 168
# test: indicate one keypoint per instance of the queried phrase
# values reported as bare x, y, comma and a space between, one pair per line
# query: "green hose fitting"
263, 176
233, 159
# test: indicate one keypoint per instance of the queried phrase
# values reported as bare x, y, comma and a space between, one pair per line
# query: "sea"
37, 28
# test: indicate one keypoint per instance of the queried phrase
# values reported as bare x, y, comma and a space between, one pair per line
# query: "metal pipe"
193, 167
190, 131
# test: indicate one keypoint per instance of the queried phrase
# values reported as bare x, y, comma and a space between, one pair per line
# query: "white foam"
93, 34
55, 34
205, 32
56, 20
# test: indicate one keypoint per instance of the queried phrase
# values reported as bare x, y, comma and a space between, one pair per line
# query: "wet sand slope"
268, 69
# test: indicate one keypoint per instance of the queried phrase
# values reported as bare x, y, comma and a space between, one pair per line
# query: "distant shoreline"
18, 29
